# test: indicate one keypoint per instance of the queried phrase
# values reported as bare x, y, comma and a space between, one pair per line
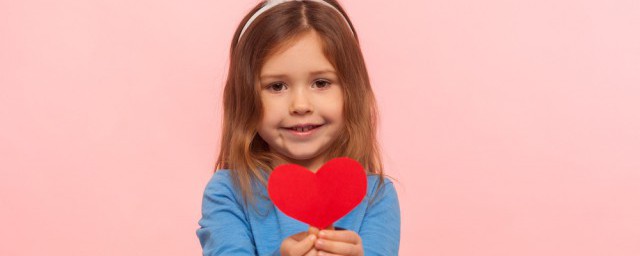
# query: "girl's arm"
380, 230
224, 229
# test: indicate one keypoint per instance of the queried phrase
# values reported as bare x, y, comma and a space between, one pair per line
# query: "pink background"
513, 127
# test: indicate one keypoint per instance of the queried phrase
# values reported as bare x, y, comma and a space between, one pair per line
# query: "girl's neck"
312, 164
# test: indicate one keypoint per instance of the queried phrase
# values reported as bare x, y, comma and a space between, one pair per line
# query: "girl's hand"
339, 242
301, 244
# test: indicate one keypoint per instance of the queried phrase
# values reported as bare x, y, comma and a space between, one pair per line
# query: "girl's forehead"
304, 54
310, 38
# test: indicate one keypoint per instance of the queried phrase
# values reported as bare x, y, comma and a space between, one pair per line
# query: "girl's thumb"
313, 230
305, 245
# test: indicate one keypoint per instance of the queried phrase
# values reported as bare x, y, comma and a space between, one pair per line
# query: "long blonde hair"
242, 150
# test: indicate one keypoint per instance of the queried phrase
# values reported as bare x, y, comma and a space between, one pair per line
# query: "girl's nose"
300, 103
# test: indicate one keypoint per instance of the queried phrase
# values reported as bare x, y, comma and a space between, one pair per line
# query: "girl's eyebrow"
319, 72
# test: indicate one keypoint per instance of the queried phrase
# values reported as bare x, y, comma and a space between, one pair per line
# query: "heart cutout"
318, 199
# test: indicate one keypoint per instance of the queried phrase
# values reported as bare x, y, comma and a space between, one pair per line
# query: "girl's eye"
322, 84
276, 87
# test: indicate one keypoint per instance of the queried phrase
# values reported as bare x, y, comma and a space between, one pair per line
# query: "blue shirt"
227, 227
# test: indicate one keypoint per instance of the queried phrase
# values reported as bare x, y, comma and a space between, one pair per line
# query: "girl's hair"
242, 150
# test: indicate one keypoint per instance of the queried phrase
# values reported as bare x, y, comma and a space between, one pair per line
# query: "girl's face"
302, 101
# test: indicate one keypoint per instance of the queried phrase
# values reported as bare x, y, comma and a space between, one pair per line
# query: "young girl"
297, 92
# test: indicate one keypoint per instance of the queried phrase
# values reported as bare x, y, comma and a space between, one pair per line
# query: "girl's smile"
302, 131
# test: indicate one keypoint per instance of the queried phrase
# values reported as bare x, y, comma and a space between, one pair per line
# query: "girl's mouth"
303, 131
303, 128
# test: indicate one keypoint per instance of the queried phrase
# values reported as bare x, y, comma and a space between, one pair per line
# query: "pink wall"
512, 126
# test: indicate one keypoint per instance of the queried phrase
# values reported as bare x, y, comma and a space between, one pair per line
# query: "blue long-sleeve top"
227, 227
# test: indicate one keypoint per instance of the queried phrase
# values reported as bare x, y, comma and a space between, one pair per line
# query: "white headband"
272, 3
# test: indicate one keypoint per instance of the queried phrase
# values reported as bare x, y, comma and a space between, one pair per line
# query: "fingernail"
322, 234
312, 237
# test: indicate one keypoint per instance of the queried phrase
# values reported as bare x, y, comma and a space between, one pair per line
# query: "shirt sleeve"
224, 229
380, 230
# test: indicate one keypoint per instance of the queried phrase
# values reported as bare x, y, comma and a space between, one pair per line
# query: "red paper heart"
322, 198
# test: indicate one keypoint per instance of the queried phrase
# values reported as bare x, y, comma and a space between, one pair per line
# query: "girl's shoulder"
375, 185
221, 183
374, 179
221, 176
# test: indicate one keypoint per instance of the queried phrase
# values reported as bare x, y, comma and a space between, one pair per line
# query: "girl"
297, 92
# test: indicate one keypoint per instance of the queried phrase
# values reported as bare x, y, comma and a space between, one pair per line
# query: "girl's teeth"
303, 129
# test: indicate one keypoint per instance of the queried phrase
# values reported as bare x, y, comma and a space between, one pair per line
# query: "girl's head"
302, 103
297, 64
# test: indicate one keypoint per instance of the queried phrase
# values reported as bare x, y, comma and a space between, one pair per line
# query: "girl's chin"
302, 159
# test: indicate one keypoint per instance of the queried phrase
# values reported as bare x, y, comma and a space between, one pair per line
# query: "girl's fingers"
327, 254
335, 247
313, 230
305, 245
346, 236
300, 236
312, 252
300, 248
